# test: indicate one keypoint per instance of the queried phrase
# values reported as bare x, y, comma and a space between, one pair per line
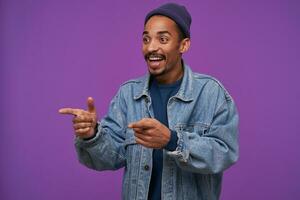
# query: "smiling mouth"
154, 57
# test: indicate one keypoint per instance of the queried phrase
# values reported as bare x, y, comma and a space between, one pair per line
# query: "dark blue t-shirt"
160, 95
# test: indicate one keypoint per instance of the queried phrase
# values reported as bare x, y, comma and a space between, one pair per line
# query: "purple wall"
57, 53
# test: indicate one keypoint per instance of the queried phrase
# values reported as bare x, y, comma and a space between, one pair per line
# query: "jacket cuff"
172, 144
181, 152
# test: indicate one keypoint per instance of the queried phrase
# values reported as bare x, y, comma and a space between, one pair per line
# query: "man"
173, 130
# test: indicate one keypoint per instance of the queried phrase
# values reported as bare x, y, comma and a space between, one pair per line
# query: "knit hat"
177, 13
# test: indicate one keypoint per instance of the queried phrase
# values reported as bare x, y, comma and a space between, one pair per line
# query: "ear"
185, 45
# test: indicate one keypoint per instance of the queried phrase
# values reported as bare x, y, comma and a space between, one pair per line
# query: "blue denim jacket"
206, 121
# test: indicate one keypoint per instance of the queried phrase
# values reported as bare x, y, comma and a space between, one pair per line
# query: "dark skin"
162, 37
163, 47
84, 121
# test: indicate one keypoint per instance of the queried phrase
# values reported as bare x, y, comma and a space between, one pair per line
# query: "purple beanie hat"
177, 13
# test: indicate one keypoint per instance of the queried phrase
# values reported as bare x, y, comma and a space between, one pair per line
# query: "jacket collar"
184, 93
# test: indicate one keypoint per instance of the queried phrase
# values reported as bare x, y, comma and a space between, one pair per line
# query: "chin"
157, 75
156, 72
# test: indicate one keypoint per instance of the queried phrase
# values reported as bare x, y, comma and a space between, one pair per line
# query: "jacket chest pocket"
199, 128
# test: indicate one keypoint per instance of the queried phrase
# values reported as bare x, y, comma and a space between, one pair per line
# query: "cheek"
172, 58
171, 50
144, 49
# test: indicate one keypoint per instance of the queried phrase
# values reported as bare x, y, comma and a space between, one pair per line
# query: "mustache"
154, 54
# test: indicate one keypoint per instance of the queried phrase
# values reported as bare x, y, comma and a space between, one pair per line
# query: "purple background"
57, 53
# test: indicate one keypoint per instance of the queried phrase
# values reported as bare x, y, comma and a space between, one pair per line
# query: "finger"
82, 131
136, 125
143, 137
140, 141
83, 119
70, 111
145, 123
140, 130
82, 125
91, 105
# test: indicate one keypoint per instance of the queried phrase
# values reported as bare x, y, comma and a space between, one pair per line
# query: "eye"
146, 39
163, 39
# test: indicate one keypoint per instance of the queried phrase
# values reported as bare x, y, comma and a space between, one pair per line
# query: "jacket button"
146, 167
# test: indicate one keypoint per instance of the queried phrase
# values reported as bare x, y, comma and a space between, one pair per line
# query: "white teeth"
155, 58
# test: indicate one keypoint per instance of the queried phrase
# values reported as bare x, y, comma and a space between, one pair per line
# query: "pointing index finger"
70, 111
142, 124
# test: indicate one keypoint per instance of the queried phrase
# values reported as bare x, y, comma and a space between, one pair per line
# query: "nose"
152, 46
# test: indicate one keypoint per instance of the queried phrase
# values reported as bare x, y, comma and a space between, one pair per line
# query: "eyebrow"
159, 32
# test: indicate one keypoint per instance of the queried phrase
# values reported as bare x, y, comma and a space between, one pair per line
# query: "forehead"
160, 23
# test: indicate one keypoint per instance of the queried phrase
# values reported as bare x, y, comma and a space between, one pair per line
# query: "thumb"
91, 105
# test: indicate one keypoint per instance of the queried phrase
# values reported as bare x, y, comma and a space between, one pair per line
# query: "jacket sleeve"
106, 150
217, 148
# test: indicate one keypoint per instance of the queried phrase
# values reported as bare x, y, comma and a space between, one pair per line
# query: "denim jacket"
205, 119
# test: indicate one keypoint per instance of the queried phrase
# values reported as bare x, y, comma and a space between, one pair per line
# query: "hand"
151, 133
84, 122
